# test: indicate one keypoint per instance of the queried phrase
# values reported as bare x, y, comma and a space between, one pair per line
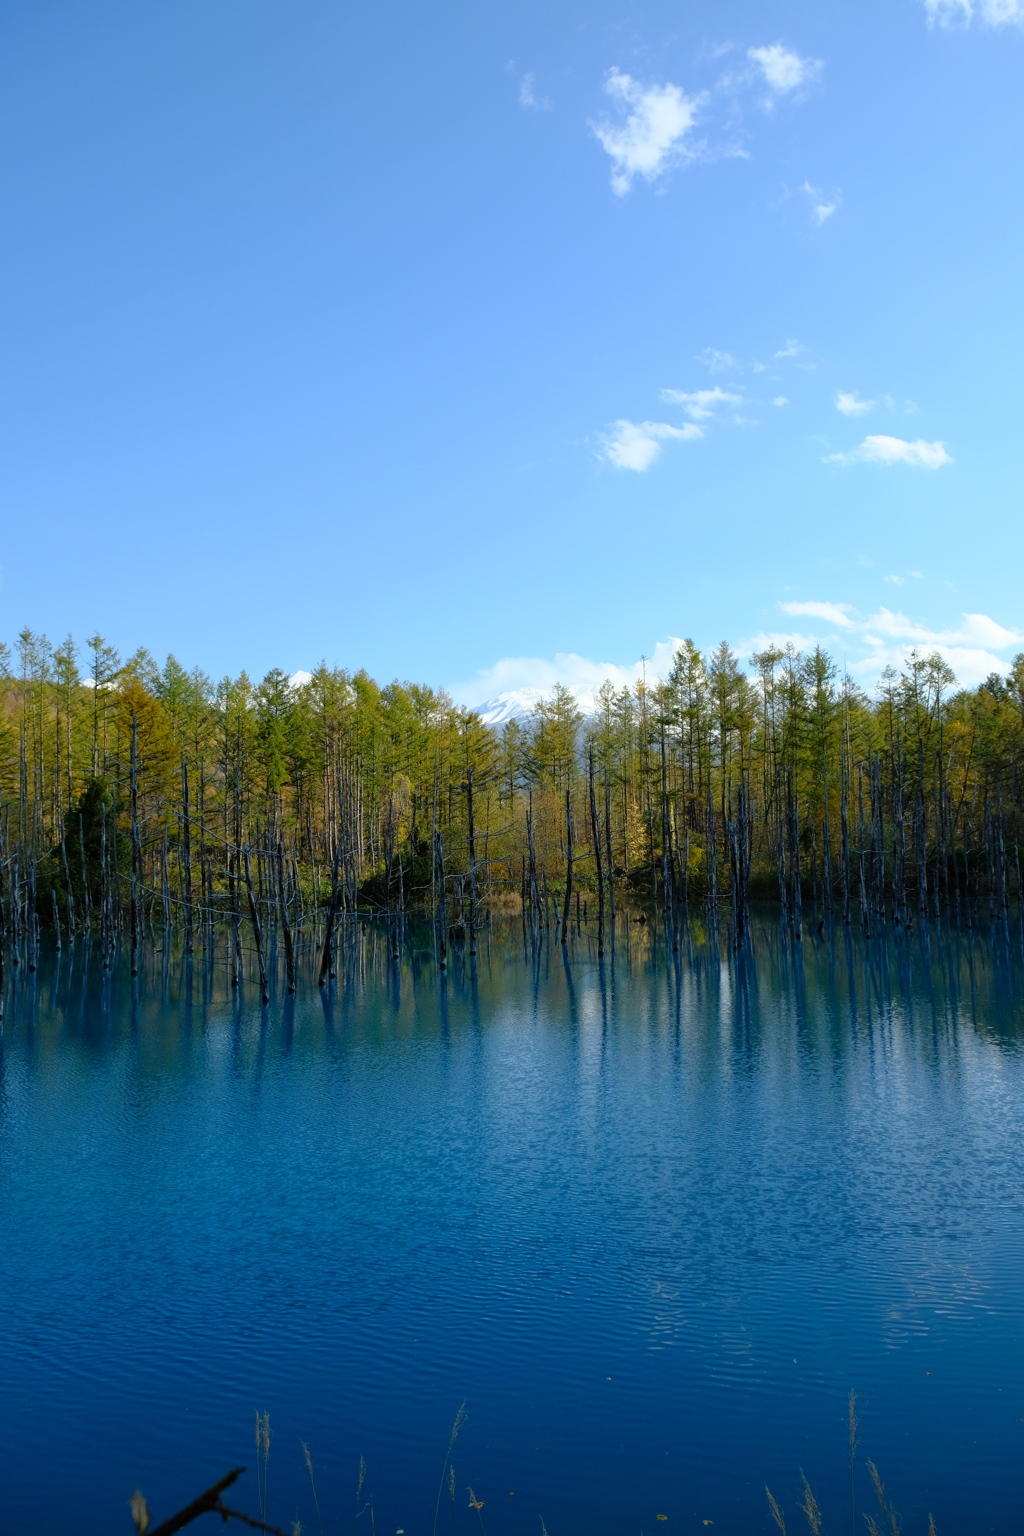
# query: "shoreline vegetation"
137, 797
888, 1522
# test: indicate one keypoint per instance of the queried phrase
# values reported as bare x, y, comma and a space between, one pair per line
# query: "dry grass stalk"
776, 1511
478, 1504
460, 1419
312, 1484
360, 1480
892, 1519
852, 1425
809, 1505
140, 1512
259, 1489
262, 1444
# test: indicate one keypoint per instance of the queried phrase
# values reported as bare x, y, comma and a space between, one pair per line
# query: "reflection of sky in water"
735, 1186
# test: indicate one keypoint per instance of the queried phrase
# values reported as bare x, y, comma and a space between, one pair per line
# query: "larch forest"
135, 796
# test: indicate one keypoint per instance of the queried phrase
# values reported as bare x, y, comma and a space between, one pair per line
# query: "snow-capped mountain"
520, 703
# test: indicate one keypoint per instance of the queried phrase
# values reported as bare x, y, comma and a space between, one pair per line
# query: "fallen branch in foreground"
208, 1503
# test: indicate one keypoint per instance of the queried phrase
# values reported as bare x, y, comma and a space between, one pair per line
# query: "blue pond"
650, 1220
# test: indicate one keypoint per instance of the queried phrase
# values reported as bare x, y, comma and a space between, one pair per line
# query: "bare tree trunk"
136, 847
568, 865
535, 904
596, 835
85, 873
608, 846
327, 965
257, 931
286, 932
186, 842
236, 937
442, 920
472, 862
68, 887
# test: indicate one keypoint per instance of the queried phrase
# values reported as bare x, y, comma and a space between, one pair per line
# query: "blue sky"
481, 344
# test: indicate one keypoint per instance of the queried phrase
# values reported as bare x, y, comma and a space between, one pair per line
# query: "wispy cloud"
865, 644
783, 70
777, 640
652, 137
636, 444
832, 613
540, 674
974, 629
895, 450
960, 13
652, 128
884, 638
719, 362
699, 403
528, 98
821, 207
851, 405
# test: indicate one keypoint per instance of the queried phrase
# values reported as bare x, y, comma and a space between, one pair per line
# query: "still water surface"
650, 1220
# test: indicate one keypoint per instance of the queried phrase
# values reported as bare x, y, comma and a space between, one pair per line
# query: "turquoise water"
651, 1220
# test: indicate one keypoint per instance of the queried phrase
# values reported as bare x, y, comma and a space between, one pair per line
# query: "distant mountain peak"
520, 703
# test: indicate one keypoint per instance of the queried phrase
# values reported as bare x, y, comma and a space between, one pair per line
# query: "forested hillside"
134, 793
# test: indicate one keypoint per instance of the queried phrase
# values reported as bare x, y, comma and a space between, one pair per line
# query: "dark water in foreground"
651, 1222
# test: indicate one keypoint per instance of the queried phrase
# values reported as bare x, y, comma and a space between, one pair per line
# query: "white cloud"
777, 640
960, 13
780, 400
791, 349
832, 613
636, 444
850, 405
719, 362
869, 644
895, 450
540, 674
700, 402
651, 139
528, 98
971, 665
885, 638
782, 69
976, 629
820, 209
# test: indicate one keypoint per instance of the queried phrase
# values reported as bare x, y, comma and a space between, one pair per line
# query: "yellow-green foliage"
382, 768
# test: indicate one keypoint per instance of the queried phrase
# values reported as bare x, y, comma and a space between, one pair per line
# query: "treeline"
133, 795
